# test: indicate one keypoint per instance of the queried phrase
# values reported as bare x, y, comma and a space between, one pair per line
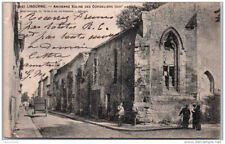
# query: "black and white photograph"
112, 70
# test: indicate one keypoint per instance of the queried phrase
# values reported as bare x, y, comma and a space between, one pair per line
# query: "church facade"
170, 55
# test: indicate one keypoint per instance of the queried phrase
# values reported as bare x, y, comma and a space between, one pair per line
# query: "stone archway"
206, 85
211, 81
171, 45
210, 102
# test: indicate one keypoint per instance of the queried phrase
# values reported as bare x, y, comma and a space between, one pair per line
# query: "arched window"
211, 80
171, 45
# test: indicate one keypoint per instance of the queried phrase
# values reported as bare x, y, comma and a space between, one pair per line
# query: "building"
50, 92
13, 65
40, 88
46, 86
177, 46
66, 84
109, 75
169, 59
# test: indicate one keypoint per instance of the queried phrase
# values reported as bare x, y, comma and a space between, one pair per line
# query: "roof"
98, 46
116, 36
71, 62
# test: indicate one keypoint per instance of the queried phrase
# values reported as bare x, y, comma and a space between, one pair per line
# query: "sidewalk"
25, 127
114, 126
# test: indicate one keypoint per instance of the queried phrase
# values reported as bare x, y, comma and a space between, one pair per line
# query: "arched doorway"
171, 45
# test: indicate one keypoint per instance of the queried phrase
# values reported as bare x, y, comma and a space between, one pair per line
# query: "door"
95, 102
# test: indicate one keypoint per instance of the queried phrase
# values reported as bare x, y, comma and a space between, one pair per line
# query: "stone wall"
153, 68
209, 45
67, 85
109, 75
164, 104
51, 93
209, 60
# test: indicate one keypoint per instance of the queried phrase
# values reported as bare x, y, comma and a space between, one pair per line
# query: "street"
59, 127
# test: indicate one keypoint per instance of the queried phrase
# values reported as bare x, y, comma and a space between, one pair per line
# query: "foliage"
130, 16
212, 111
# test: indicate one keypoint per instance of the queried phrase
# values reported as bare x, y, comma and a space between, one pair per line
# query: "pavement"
114, 125
25, 128
61, 125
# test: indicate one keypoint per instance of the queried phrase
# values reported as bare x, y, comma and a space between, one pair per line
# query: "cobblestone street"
54, 126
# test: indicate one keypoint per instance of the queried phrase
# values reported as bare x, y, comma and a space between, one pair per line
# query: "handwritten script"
52, 36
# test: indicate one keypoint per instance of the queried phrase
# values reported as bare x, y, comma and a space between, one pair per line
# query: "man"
186, 116
120, 113
194, 116
198, 118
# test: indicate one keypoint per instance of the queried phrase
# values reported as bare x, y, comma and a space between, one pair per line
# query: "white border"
117, 141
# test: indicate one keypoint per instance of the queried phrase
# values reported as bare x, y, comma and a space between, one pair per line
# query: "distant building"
51, 93
66, 84
46, 84
40, 88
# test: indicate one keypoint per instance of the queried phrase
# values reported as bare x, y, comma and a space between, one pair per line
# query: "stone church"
179, 44
169, 59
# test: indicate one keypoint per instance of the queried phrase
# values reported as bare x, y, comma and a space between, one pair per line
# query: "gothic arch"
171, 45
175, 32
211, 80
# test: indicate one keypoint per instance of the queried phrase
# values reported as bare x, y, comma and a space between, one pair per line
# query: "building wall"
69, 98
12, 68
40, 88
163, 104
209, 60
45, 81
129, 67
107, 92
199, 51
45, 89
209, 47
51, 93
61, 90
8, 71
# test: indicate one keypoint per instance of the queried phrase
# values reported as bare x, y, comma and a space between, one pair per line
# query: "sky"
50, 26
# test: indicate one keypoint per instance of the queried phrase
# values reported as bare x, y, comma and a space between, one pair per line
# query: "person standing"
186, 116
120, 113
26, 105
194, 116
198, 118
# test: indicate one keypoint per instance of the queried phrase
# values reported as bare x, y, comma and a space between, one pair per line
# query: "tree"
24, 97
132, 15
212, 111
